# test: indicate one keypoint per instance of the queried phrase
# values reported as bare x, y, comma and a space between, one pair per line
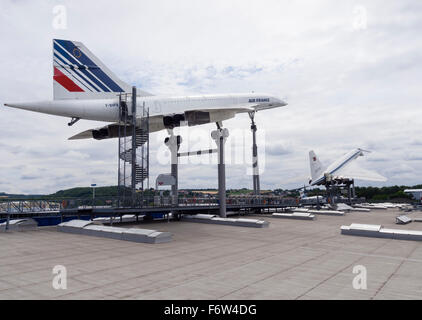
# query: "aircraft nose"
281, 102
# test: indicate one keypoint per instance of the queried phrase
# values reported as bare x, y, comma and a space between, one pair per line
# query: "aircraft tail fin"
79, 74
316, 166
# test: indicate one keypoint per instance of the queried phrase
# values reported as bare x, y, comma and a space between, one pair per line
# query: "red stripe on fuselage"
61, 78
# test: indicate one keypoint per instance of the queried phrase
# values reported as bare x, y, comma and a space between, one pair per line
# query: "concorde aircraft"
84, 88
342, 169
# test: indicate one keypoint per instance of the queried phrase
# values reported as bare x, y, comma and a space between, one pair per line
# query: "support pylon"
255, 168
220, 136
173, 143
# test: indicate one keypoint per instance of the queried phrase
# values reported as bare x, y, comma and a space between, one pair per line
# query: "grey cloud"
277, 150
378, 159
29, 177
414, 157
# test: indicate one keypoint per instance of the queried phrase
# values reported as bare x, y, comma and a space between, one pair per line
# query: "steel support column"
255, 168
220, 136
173, 143
133, 172
349, 192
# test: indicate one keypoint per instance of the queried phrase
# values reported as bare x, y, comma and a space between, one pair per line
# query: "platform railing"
166, 202
54, 206
29, 206
46, 206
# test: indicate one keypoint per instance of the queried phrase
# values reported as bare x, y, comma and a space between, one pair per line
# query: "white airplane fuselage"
108, 109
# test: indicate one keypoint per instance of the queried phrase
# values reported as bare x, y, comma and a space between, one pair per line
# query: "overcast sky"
350, 70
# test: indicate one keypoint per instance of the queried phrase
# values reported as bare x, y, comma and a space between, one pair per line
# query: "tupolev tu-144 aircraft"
84, 88
342, 169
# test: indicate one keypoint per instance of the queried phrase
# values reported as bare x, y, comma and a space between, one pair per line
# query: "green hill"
85, 192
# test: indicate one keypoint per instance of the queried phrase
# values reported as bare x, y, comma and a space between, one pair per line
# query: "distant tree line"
385, 193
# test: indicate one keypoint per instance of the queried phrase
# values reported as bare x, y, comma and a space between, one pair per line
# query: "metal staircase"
133, 174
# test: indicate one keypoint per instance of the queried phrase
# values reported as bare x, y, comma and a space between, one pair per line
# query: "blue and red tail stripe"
77, 57
66, 82
77, 80
66, 65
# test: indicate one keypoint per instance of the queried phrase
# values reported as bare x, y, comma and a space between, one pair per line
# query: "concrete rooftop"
292, 259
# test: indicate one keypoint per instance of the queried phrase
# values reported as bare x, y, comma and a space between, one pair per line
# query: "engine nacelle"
192, 118
173, 120
111, 131
100, 134
195, 118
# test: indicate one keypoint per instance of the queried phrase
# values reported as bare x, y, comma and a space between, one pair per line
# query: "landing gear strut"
73, 121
